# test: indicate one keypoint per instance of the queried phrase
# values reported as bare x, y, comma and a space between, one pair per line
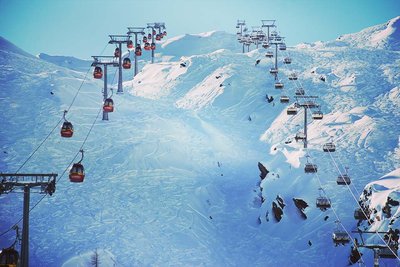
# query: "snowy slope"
383, 36
67, 62
172, 178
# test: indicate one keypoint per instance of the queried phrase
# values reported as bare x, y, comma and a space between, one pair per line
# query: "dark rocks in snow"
51, 93
263, 171
221, 85
183, 65
257, 62
301, 205
249, 118
217, 77
322, 78
259, 220
267, 216
278, 212
392, 202
269, 99
309, 243
210, 217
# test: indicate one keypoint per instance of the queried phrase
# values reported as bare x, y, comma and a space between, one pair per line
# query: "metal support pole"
136, 63
376, 257
305, 127
152, 41
25, 229
120, 90
105, 93
276, 56
243, 49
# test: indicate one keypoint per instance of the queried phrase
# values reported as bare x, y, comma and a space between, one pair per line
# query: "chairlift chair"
387, 252
287, 60
147, 46
293, 77
340, 237
317, 115
269, 54
164, 33
265, 45
329, 147
158, 37
273, 71
278, 85
282, 46
291, 111
343, 179
299, 91
310, 168
323, 203
284, 99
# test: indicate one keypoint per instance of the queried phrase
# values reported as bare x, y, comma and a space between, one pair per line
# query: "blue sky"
81, 27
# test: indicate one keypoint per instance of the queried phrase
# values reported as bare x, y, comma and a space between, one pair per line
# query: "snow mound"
383, 36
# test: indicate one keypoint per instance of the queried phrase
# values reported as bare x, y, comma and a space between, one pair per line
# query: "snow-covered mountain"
67, 62
173, 177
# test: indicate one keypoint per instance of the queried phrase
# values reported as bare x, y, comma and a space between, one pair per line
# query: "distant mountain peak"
7, 46
382, 36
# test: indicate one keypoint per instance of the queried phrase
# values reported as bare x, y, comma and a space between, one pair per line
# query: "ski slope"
172, 177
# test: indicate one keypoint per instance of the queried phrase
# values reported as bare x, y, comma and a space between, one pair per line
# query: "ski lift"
164, 33
291, 111
9, 257
273, 71
269, 54
147, 46
309, 167
97, 73
317, 115
310, 104
144, 39
278, 85
359, 214
154, 32
299, 91
300, 136
329, 147
77, 172
282, 46
158, 37
117, 53
126, 64
129, 44
343, 179
389, 252
284, 99
138, 50
67, 129
265, 45
287, 60
340, 236
293, 76
274, 34
322, 202
237, 26
153, 46
238, 33
149, 36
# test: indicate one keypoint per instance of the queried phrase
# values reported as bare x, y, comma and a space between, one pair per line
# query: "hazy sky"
81, 27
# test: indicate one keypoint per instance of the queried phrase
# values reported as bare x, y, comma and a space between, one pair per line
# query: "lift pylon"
11, 182
119, 40
153, 26
105, 61
135, 31
306, 103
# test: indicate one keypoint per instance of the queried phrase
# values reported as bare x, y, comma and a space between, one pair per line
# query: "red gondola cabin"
108, 105
129, 44
153, 46
158, 37
126, 64
117, 53
77, 173
67, 129
97, 73
147, 46
138, 51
